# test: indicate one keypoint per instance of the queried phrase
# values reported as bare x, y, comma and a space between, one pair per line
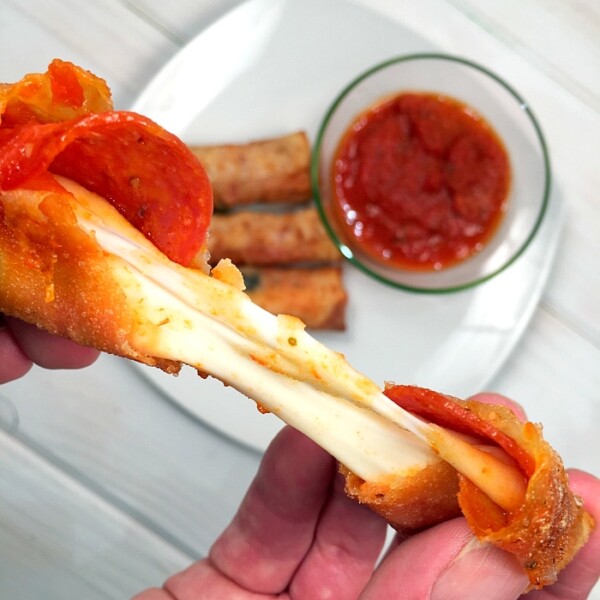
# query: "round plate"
270, 67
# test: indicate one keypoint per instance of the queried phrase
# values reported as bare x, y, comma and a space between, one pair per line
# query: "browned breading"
55, 275
271, 238
410, 501
316, 296
547, 530
272, 170
544, 532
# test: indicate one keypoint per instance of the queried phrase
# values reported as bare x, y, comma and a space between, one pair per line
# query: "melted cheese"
188, 316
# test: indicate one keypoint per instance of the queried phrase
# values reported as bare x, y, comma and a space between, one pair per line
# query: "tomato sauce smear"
420, 181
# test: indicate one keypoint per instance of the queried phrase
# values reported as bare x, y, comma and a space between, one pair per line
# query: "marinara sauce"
421, 181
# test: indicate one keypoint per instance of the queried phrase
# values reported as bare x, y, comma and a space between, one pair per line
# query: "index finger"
47, 350
13, 362
275, 524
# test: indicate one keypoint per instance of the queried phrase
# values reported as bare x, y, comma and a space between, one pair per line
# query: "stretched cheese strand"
190, 317
71, 264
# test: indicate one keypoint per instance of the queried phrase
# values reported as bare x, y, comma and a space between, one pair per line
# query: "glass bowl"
493, 99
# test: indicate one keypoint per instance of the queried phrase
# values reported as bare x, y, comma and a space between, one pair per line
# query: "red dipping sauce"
420, 181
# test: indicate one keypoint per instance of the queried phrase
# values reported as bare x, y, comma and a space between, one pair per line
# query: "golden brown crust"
409, 502
273, 170
55, 275
34, 95
550, 526
316, 296
43, 253
259, 238
544, 532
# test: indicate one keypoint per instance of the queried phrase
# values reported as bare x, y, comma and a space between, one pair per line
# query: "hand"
22, 344
296, 535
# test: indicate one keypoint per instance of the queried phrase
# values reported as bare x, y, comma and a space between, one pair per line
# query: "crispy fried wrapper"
43, 253
544, 533
409, 501
316, 296
56, 273
550, 526
275, 170
271, 238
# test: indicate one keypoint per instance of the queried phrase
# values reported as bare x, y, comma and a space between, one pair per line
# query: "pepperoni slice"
448, 413
148, 174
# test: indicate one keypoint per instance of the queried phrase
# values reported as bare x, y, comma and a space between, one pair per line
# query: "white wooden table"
106, 487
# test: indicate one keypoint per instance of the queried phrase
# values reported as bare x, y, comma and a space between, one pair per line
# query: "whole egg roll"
271, 238
274, 170
316, 296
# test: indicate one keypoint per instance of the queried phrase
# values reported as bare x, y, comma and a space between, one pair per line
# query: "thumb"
481, 571
447, 563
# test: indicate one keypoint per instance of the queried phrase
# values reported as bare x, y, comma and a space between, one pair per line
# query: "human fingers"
274, 527
47, 350
348, 541
579, 577
447, 563
443, 559
13, 362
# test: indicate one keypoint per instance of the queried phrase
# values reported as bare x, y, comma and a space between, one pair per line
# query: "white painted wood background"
106, 487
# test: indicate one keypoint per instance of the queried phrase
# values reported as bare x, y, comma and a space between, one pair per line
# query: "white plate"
273, 66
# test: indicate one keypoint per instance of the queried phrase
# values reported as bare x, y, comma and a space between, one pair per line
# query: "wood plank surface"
59, 540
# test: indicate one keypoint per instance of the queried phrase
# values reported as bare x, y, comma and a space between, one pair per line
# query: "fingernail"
481, 571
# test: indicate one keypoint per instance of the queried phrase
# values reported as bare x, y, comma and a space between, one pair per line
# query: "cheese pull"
104, 247
72, 264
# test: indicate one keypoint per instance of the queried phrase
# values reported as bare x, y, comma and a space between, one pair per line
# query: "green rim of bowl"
316, 155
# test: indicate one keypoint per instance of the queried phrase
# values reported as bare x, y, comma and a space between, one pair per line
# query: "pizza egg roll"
275, 170
271, 238
92, 249
561, 525
316, 296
